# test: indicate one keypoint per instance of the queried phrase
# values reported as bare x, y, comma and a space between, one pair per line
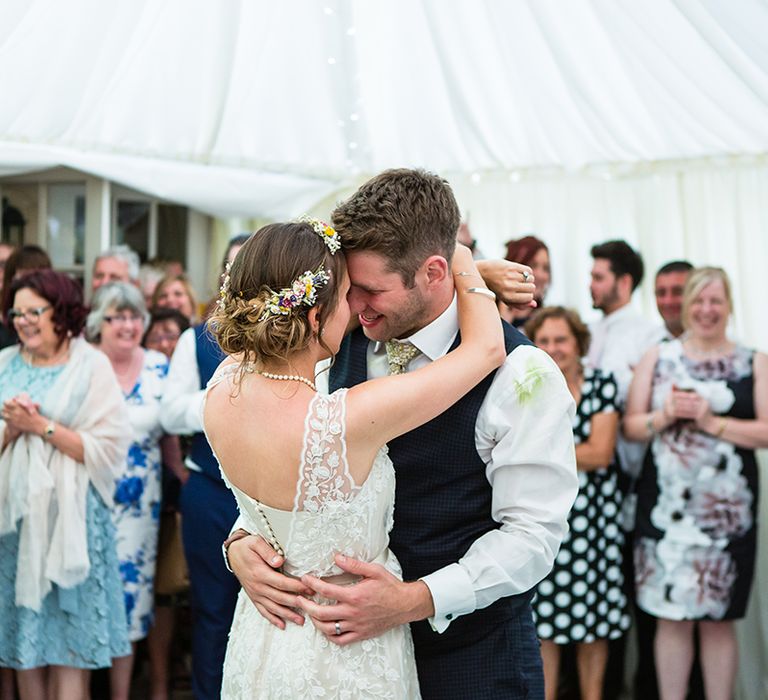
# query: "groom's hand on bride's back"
256, 566
375, 604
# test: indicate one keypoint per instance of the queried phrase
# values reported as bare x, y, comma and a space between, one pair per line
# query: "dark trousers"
208, 511
504, 665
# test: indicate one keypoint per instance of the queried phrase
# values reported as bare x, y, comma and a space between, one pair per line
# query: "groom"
483, 490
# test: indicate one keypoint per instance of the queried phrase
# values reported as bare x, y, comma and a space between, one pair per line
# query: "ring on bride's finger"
525, 276
337, 626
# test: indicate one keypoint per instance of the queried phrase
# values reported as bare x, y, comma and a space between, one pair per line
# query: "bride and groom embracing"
477, 432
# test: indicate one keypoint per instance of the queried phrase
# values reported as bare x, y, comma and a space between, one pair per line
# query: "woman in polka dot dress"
582, 601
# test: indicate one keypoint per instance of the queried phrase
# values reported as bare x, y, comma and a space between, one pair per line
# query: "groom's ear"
435, 269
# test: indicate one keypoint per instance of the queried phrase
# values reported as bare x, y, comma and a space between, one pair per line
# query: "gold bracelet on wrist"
721, 429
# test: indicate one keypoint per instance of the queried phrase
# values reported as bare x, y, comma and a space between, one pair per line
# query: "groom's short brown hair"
404, 215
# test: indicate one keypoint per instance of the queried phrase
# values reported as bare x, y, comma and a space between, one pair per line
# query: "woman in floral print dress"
116, 323
704, 401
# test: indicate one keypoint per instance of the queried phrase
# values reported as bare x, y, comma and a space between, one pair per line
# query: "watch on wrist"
49, 430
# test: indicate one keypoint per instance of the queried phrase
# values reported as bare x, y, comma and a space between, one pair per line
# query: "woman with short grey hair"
115, 296
116, 326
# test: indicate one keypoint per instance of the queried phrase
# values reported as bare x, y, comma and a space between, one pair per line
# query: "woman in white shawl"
63, 438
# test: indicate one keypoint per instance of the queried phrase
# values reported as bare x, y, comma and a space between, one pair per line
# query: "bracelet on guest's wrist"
721, 429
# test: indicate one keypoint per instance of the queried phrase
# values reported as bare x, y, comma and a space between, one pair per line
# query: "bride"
310, 472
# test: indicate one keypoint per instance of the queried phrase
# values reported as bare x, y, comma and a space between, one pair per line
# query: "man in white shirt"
483, 491
622, 336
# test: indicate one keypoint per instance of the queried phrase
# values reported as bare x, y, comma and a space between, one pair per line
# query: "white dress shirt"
181, 408
523, 434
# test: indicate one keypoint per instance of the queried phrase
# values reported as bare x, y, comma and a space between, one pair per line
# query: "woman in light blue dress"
62, 433
116, 325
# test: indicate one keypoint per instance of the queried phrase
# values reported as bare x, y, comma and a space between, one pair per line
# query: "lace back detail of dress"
334, 514
324, 478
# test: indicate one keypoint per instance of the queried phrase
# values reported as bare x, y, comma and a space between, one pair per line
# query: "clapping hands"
21, 415
687, 405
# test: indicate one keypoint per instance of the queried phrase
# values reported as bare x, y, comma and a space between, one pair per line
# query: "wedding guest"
19, 263
120, 263
165, 328
208, 508
668, 289
149, 277
6, 339
175, 292
116, 326
6, 250
622, 335
703, 400
533, 252
465, 237
669, 284
63, 443
582, 601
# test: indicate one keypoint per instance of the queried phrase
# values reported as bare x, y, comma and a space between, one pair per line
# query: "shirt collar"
436, 338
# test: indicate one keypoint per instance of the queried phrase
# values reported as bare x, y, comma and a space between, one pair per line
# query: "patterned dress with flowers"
136, 511
697, 497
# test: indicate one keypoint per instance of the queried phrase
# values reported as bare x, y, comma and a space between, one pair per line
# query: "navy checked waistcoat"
209, 355
442, 497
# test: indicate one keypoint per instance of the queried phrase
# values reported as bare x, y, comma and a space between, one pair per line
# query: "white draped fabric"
279, 102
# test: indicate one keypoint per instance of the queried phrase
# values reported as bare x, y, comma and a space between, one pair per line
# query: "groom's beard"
401, 322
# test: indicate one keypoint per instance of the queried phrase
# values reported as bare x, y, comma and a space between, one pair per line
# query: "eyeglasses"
120, 320
29, 315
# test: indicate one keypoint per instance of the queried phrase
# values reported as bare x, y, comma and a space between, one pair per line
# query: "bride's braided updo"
273, 259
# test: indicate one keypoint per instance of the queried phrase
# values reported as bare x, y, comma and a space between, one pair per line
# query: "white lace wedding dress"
330, 514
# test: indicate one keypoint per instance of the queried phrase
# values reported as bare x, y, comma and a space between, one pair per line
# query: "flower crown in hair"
302, 291
327, 233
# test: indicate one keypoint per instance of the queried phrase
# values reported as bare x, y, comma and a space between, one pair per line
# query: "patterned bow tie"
399, 354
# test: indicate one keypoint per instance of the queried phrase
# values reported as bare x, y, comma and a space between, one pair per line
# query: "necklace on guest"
284, 377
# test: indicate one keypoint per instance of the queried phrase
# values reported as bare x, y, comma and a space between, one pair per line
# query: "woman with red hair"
533, 252
62, 442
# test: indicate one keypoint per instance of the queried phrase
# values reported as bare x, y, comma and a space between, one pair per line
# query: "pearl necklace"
285, 377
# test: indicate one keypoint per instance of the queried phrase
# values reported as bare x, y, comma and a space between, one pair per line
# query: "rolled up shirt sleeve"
524, 435
182, 402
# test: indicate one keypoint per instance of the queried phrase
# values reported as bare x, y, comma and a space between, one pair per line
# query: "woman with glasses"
62, 436
116, 326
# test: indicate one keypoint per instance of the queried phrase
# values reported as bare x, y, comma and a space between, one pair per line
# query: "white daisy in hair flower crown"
329, 234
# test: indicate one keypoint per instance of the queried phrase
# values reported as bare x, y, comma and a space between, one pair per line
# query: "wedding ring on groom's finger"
525, 276
337, 626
